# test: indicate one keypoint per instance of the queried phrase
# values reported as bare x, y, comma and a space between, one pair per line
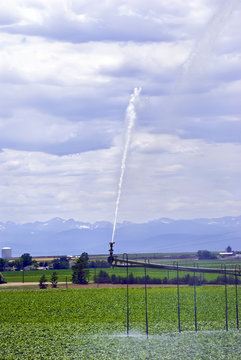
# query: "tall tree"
80, 273
27, 259
3, 263
85, 257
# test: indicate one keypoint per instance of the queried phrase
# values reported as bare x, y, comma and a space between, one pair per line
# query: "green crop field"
91, 324
34, 275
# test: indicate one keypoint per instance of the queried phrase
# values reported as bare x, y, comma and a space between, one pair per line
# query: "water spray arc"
194, 63
130, 117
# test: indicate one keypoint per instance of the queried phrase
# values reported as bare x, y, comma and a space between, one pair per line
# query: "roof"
226, 253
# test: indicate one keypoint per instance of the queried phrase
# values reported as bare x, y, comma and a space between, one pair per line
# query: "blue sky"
67, 70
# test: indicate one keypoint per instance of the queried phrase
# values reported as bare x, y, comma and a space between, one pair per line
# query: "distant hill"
58, 236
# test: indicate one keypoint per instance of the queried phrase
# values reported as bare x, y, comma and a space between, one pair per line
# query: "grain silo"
6, 253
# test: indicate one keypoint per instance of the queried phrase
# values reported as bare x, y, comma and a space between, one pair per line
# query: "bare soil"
33, 285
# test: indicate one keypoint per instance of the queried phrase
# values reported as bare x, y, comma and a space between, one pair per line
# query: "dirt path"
70, 285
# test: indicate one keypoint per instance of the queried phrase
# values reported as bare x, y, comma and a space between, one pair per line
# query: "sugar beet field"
91, 324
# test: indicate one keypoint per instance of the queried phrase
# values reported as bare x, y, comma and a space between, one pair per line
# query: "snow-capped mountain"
58, 236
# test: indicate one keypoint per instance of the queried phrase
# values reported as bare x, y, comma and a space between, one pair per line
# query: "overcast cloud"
67, 69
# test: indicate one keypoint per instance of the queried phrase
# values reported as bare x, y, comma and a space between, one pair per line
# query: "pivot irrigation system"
115, 261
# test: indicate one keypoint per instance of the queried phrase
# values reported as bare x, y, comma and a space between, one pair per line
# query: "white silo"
6, 253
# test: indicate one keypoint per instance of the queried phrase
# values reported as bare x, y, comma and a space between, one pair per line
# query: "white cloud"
67, 69
209, 175
37, 185
122, 21
83, 186
144, 142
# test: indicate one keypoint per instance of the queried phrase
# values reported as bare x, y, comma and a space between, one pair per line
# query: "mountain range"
69, 237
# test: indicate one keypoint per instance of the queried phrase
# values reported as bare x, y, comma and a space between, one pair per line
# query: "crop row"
91, 324
108, 306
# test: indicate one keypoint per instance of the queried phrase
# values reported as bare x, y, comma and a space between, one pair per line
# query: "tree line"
104, 277
63, 262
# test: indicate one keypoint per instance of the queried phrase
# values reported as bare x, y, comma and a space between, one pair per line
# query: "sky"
67, 71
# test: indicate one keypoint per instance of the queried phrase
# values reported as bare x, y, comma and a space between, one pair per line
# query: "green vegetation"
26, 259
90, 324
34, 275
206, 255
80, 271
3, 263
104, 310
187, 279
61, 263
54, 279
42, 282
2, 280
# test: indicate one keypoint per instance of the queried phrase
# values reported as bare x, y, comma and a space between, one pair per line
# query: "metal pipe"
111, 250
146, 302
127, 295
236, 293
133, 263
226, 298
178, 301
195, 300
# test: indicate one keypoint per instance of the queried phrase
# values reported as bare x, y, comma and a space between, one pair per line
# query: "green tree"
3, 263
205, 255
42, 282
102, 277
18, 263
80, 273
2, 280
54, 279
27, 259
35, 264
61, 263
85, 257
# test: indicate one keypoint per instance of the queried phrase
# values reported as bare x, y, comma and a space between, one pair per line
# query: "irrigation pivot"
120, 262
115, 261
